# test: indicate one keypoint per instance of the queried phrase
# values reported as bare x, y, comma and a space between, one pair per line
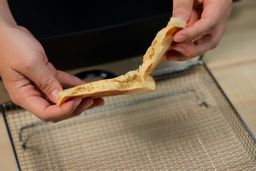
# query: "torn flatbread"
135, 81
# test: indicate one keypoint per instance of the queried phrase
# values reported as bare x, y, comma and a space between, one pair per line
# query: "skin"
34, 83
30, 79
206, 24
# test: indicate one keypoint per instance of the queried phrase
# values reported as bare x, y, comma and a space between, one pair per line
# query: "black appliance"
90, 32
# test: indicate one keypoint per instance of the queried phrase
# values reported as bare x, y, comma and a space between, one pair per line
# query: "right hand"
206, 24
32, 81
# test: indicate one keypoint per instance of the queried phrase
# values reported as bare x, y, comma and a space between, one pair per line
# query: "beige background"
233, 63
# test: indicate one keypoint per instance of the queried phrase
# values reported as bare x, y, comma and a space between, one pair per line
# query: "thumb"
45, 80
182, 9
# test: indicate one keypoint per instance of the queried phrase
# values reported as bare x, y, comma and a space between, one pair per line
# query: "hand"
206, 24
32, 81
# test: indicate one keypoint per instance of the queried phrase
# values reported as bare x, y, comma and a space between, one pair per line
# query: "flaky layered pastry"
135, 81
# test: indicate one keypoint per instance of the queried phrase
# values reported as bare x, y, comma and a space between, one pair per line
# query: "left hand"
206, 24
32, 81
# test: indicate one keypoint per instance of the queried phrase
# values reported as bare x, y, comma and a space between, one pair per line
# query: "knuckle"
214, 44
40, 49
45, 84
29, 64
211, 25
23, 29
15, 99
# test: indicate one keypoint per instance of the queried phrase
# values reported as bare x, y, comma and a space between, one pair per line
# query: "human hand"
32, 81
206, 24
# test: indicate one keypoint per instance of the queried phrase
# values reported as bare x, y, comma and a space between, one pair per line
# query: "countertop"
233, 63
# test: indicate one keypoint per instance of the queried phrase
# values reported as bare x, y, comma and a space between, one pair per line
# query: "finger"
97, 102
46, 112
195, 16
27, 95
85, 104
199, 29
39, 73
182, 9
206, 24
197, 48
88, 105
67, 80
174, 55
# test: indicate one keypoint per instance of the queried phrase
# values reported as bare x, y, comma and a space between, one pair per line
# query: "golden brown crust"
133, 81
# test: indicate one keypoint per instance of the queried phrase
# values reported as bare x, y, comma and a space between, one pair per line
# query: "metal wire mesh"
186, 124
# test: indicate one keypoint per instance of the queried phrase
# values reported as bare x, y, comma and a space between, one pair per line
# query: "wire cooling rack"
186, 124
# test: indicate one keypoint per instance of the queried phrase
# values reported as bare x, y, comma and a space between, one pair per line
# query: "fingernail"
179, 38
55, 95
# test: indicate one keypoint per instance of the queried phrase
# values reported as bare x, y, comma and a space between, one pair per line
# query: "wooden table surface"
233, 63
